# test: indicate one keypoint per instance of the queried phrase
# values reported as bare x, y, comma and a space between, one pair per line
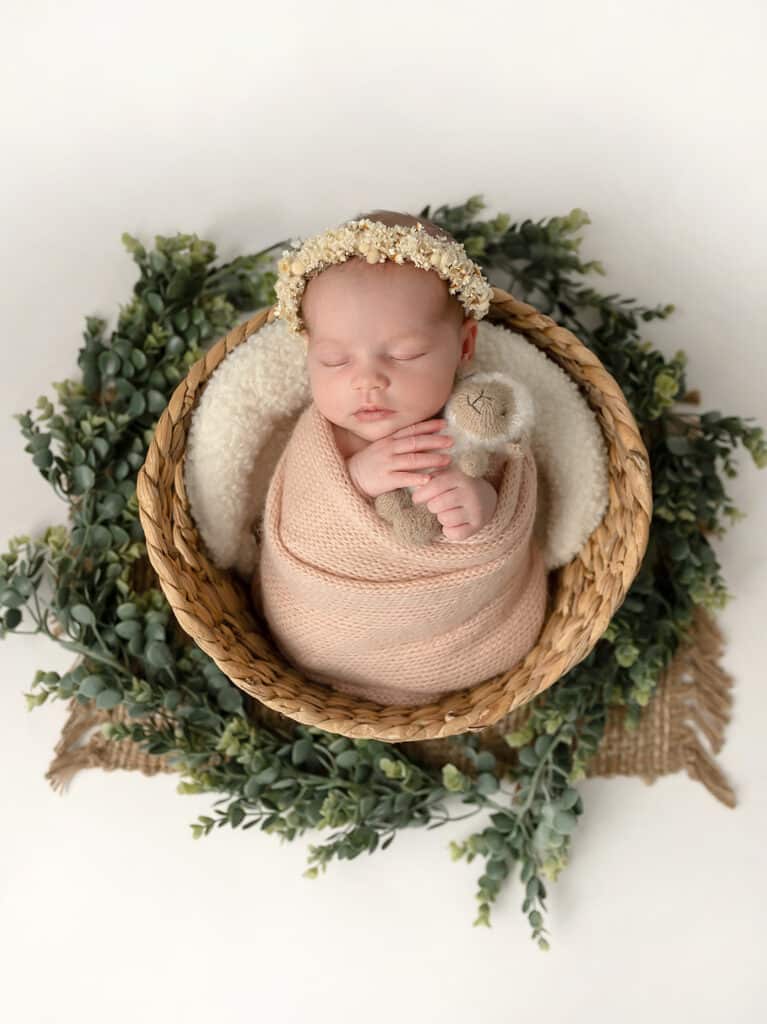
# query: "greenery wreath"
82, 586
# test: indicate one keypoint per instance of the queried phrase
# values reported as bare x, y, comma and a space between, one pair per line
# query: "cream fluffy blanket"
244, 417
353, 607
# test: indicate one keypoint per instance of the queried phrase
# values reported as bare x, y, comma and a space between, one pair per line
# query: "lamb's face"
482, 410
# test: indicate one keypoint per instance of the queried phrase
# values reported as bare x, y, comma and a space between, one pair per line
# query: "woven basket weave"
213, 605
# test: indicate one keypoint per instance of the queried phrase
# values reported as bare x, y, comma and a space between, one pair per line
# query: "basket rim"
212, 606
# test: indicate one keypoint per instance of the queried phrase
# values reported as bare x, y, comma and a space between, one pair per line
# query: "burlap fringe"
693, 701
98, 751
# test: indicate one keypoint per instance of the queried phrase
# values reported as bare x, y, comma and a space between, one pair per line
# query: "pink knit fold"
352, 607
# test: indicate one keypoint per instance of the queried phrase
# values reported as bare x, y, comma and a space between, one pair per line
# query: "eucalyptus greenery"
81, 584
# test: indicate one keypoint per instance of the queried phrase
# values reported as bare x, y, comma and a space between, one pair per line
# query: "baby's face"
382, 335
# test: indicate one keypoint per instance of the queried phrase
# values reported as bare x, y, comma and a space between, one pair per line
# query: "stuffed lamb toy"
485, 412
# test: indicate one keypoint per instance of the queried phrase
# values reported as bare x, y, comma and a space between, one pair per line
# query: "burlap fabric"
682, 728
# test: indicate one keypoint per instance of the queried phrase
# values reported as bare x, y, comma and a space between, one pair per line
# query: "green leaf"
24, 586
301, 750
155, 401
367, 805
137, 404
82, 613
452, 778
568, 799
496, 869
83, 479
533, 888
171, 699
487, 782
176, 345
158, 261
154, 301
503, 822
528, 757
679, 445
178, 285
128, 628
11, 598
626, 655
100, 536
542, 745
485, 761
347, 758
268, 775
565, 822
91, 686
229, 698
109, 364
108, 699
12, 618
159, 654
119, 535
112, 505
252, 788
101, 446
680, 549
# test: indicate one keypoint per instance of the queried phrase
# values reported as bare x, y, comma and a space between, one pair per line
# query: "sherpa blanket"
245, 415
351, 606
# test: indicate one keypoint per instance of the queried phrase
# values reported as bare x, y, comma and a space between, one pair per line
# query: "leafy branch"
88, 586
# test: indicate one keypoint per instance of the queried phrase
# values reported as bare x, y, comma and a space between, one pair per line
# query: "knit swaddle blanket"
352, 607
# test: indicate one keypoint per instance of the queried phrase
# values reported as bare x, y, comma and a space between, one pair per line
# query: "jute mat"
682, 727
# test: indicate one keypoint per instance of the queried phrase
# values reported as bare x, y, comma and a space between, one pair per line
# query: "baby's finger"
422, 442
427, 462
452, 517
448, 501
414, 480
430, 490
454, 534
424, 427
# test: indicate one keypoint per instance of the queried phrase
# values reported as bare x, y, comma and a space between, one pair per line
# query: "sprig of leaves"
88, 588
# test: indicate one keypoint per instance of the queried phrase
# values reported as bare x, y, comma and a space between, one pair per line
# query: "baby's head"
384, 334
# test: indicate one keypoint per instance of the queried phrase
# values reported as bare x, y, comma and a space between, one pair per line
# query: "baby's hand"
463, 504
395, 461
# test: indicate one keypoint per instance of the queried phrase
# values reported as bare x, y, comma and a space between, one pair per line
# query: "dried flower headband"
378, 242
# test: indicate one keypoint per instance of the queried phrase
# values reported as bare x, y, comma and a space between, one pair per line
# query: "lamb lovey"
486, 412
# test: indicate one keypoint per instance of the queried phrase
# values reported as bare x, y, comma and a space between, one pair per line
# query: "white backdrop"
248, 124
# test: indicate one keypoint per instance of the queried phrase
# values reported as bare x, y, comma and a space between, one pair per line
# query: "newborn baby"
390, 337
347, 602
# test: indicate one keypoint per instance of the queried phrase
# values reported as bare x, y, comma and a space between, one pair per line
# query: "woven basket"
213, 605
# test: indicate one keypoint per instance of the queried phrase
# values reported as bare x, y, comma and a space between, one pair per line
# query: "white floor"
248, 126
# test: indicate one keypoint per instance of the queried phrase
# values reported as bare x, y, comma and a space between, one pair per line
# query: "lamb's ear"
522, 420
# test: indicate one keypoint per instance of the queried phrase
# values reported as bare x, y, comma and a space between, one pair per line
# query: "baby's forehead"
345, 287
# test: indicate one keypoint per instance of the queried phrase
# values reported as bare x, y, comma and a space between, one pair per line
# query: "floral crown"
378, 242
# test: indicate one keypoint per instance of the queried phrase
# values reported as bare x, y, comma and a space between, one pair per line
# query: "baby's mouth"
372, 415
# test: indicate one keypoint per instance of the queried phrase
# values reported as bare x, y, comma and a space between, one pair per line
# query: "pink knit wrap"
352, 607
